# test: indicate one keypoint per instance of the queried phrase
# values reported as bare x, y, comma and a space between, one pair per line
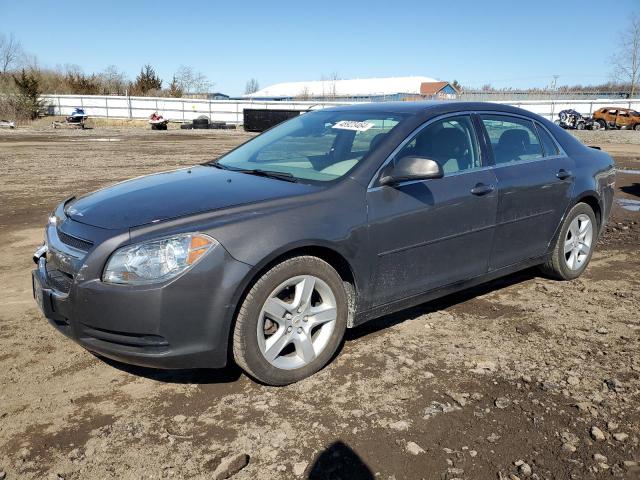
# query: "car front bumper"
182, 323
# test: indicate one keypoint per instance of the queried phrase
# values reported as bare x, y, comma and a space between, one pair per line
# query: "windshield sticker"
353, 125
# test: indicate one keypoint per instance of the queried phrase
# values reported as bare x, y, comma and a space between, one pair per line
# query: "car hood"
174, 194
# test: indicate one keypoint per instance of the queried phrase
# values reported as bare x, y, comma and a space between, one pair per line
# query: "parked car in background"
322, 223
613, 117
572, 119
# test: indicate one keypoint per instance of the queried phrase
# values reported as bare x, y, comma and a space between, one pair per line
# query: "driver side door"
432, 233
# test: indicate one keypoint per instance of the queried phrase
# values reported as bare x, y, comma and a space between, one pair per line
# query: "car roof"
422, 107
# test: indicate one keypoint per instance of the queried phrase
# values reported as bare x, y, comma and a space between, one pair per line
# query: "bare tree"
190, 81
304, 94
114, 82
10, 53
333, 78
626, 62
252, 86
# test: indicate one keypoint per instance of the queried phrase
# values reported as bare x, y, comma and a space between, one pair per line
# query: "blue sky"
505, 43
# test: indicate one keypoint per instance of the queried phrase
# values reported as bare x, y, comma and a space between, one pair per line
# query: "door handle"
563, 174
482, 189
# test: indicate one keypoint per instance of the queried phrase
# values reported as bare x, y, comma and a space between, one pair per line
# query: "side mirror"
410, 168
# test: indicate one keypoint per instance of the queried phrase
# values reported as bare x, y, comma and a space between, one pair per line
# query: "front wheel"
574, 246
291, 322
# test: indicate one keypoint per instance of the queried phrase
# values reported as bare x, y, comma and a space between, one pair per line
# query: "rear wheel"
574, 246
291, 322
603, 124
637, 127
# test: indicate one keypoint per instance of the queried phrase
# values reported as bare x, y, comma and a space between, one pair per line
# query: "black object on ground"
259, 120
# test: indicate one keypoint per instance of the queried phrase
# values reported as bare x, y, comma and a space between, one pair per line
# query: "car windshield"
316, 146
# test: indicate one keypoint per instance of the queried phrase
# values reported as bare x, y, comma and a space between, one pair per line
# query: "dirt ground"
521, 378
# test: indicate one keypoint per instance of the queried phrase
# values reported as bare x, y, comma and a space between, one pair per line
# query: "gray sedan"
266, 255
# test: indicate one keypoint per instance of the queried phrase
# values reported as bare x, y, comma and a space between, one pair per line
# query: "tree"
114, 82
27, 98
626, 62
174, 88
146, 82
10, 53
252, 87
190, 81
80, 84
456, 85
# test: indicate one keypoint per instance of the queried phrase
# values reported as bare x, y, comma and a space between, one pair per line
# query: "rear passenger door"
624, 119
534, 179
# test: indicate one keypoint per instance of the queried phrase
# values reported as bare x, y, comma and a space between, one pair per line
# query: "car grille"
60, 281
74, 242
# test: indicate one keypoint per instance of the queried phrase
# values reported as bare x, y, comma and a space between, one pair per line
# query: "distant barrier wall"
177, 109
230, 111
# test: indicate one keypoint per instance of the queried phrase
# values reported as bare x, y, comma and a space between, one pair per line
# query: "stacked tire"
202, 122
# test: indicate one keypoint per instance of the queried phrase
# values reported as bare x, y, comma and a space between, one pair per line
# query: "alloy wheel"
296, 322
577, 244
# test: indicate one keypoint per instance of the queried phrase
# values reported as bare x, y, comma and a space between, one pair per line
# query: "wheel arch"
593, 200
322, 251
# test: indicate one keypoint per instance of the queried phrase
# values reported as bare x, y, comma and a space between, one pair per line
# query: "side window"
550, 147
451, 142
513, 139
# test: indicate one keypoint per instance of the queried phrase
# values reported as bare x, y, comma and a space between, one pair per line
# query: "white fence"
230, 111
178, 109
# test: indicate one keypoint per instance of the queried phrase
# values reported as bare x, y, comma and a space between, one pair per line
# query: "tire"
201, 120
580, 126
570, 246
603, 124
637, 127
158, 126
277, 290
186, 126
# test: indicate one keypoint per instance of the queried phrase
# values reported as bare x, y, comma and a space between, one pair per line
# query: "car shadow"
339, 460
203, 376
440, 304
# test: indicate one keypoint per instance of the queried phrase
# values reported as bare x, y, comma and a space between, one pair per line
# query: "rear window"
513, 139
550, 147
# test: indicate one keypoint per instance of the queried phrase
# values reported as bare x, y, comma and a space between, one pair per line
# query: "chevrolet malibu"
268, 254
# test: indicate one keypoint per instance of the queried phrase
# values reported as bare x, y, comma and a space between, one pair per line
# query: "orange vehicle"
611, 117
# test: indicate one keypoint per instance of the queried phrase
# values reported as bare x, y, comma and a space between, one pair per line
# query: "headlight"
156, 260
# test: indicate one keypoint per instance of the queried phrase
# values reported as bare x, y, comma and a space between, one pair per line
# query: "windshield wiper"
256, 171
287, 177
217, 165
